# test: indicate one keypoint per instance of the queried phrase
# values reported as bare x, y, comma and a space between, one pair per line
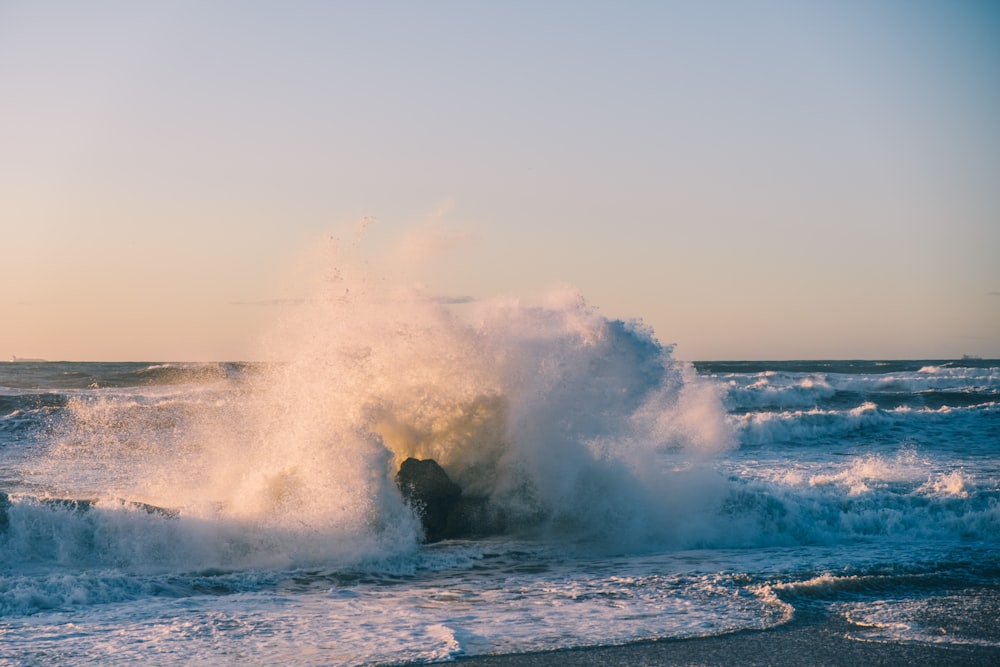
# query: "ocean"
247, 513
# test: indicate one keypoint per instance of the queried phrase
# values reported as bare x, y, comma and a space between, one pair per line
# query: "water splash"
573, 426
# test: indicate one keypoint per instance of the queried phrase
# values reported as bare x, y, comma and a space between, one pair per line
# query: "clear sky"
753, 179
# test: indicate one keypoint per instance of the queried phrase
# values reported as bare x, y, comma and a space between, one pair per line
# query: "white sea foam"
953, 484
955, 619
874, 470
770, 389
792, 425
526, 602
807, 426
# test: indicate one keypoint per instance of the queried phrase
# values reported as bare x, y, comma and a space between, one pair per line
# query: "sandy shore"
801, 645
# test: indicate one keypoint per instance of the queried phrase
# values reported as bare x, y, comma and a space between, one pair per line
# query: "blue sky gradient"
753, 179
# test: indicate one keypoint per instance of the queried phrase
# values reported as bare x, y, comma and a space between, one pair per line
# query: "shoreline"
795, 644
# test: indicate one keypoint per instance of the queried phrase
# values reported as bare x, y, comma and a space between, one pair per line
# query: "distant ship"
21, 360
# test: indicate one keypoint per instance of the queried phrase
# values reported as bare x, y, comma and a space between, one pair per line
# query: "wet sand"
800, 645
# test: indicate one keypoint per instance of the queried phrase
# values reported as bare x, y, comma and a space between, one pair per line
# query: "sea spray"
552, 412
572, 426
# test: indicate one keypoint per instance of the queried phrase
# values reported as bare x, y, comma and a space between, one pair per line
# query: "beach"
814, 644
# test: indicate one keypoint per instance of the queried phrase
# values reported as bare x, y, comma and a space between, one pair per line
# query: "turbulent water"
247, 513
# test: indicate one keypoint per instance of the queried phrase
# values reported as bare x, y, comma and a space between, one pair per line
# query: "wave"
773, 390
551, 413
873, 498
782, 390
810, 426
901, 498
136, 537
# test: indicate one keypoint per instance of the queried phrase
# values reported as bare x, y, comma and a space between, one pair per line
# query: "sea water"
246, 513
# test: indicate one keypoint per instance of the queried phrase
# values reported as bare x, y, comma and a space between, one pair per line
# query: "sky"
754, 180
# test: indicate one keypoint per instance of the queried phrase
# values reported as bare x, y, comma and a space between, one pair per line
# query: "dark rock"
427, 488
445, 513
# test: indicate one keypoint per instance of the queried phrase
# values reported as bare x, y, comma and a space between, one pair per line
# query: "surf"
574, 427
